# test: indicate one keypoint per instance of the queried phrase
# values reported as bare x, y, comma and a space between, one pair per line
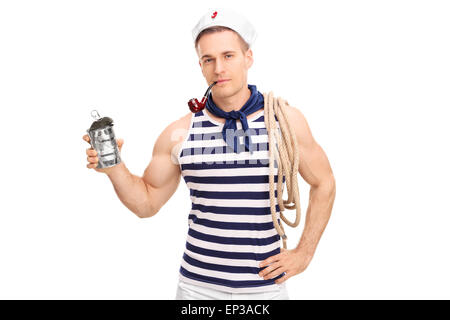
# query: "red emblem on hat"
214, 15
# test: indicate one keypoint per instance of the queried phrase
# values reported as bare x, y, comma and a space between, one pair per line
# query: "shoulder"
173, 133
181, 123
298, 122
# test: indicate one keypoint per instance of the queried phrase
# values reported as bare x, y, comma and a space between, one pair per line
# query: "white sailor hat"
227, 18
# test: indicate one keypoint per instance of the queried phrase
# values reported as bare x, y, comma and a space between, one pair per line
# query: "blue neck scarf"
254, 103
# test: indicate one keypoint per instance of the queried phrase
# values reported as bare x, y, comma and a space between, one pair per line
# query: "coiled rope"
287, 157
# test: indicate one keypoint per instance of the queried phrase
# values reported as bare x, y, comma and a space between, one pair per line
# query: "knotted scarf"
254, 103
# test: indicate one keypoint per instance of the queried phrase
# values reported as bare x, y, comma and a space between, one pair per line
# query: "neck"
234, 102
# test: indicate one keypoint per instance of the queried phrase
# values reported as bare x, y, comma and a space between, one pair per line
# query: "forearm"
131, 190
321, 201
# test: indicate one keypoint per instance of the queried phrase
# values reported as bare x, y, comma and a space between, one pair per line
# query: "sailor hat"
227, 18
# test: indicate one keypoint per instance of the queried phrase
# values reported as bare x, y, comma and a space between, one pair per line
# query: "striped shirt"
230, 224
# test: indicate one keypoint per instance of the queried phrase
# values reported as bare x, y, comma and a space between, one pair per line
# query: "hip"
191, 291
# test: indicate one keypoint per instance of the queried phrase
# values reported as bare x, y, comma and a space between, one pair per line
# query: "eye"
207, 60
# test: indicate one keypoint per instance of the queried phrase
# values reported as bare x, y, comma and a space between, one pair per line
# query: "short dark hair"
213, 29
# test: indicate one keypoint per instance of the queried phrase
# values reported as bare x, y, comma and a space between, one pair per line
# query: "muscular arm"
162, 175
315, 169
145, 195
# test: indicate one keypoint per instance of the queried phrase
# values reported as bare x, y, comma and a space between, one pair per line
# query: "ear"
249, 58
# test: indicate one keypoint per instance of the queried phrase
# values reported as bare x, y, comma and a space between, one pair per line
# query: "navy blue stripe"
260, 119
229, 283
218, 134
255, 226
232, 165
234, 210
220, 267
203, 124
232, 255
262, 146
237, 241
246, 195
230, 179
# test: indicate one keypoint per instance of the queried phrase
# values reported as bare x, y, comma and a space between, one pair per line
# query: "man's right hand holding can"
92, 155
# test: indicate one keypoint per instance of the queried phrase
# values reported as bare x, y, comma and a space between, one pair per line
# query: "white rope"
284, 149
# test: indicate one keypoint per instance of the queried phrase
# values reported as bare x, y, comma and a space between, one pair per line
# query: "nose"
219, 66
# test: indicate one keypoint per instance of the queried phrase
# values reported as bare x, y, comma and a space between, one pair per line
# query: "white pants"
189, 291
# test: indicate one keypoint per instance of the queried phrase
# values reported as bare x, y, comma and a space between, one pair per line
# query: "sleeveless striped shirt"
230, 224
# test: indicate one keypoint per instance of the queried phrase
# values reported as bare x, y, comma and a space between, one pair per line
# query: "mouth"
222, 81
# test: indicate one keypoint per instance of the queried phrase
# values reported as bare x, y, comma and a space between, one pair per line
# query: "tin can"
103, 140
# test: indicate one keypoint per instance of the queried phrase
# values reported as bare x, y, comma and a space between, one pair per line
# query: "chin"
221, 91
227, 89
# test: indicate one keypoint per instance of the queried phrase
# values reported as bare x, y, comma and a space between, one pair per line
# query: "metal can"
103, 141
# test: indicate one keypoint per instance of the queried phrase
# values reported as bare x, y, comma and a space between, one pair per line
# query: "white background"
371, 77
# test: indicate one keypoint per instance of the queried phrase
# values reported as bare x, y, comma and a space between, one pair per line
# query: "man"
232, 248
